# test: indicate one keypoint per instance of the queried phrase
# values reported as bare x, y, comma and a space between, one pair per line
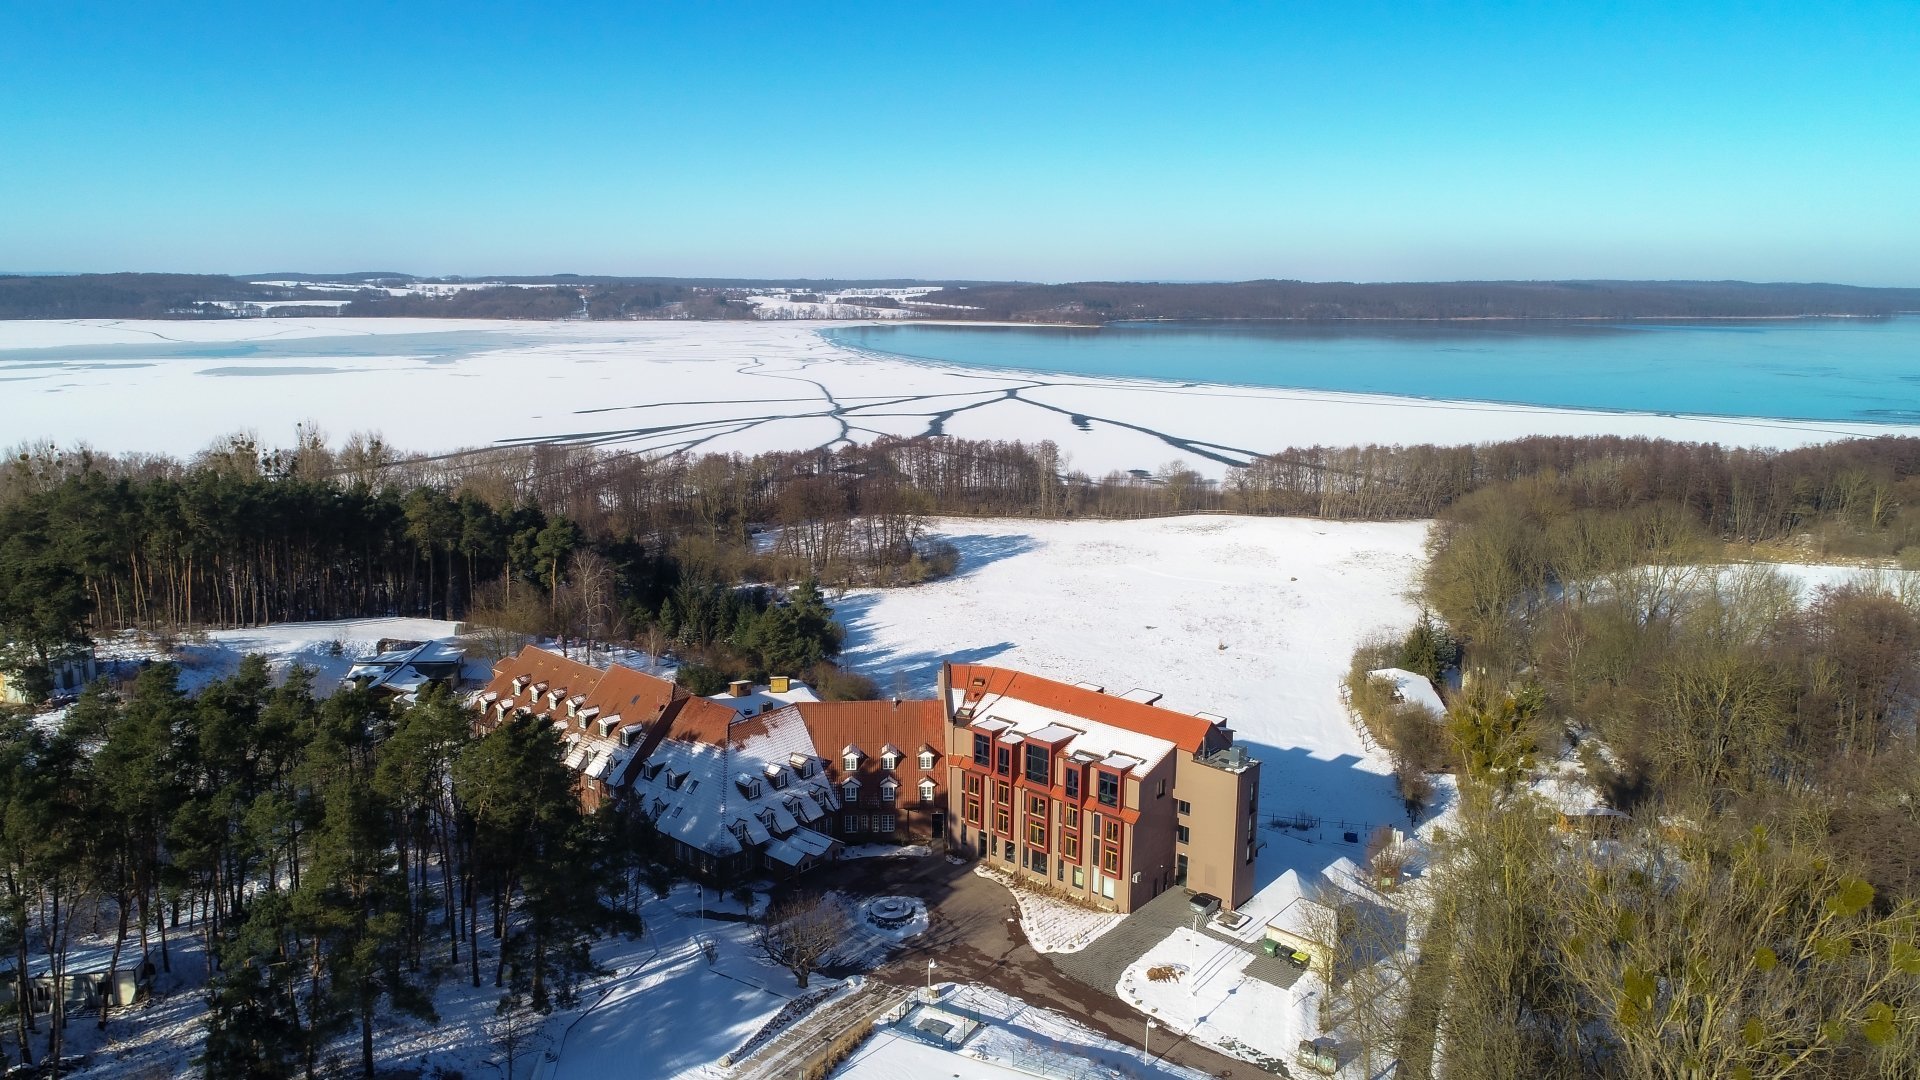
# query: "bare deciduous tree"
800, 933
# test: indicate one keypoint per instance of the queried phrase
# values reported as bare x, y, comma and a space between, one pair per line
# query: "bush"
834, 683
700, 679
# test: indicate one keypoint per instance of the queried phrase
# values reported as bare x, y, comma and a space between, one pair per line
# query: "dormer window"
926, 760
519, 685
850, 763
778, 777
889, 757
850, 790
926, 790
888, 789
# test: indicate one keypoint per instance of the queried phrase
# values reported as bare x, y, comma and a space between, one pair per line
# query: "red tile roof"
870, 725
1188, 732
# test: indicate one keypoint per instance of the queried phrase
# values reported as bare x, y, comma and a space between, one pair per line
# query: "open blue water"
1812, 369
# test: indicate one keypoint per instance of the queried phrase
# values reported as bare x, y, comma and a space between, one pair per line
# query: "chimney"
739, 688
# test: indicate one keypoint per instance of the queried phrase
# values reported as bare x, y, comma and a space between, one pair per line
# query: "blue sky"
1042, 141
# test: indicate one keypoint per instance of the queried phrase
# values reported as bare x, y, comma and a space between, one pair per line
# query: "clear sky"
1339, 140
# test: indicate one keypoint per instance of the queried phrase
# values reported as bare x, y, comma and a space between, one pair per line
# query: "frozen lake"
1807, 369
441, 385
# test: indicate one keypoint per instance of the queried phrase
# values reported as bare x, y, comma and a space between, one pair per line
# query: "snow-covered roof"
1115, 747
761, 699
709, 807
1411, 688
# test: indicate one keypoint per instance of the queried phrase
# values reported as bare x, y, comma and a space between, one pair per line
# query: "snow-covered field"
436, 385
328, 647
1251, 618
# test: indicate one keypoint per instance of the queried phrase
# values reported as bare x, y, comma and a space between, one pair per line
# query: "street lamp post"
1146, 1042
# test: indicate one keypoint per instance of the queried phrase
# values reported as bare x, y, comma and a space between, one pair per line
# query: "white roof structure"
1411, 688
697, 792
1083, 738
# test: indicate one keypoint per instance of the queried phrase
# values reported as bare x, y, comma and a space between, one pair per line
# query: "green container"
1270, 947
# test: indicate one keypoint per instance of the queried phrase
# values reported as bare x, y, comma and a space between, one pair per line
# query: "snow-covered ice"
723, 386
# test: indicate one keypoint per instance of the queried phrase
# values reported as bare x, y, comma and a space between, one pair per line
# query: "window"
1079, 878
889, 762
1002, 793
1249, 849
1037, 806
1073, 782
926, 760
1180, 833
1037, 770
1182, 807
883, 823
1003, 760
1160, 792
1253, 804
1002, 821
850, 823
926, 790
1040, 863
888, 789
1069, 817
850, 791
1110, 860
973, 785
973, 809
1036, 832
1179, 869
850, 763
1113, 831
982, 747
1006, 851
1109, 789
1070, 848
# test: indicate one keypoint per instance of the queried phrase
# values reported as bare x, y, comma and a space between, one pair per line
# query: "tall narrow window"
982, 748
1036, 764
1109, 789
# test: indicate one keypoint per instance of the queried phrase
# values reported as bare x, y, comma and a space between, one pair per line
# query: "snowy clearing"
1254, 619
721, 386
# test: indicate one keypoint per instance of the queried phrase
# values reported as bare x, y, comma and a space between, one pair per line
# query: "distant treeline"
570, 296
1098, 302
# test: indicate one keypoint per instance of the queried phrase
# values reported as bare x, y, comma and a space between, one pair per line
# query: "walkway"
789, 1053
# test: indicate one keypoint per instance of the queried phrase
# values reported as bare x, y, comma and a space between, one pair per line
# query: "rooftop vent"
1144, 697
739, 688
779, 684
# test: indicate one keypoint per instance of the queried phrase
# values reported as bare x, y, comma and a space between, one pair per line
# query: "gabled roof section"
973, 682
837, 727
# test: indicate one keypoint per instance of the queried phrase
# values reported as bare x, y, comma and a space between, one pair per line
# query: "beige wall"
1218, 828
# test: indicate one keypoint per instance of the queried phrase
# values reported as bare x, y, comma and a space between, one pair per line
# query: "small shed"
1300, 929
1594, 822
